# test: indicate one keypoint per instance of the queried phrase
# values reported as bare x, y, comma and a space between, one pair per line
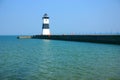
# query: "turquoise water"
35, 59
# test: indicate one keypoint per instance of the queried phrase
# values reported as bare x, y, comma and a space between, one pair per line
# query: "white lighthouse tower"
45, 26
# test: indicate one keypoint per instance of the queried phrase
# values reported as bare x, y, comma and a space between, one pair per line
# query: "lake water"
37, 59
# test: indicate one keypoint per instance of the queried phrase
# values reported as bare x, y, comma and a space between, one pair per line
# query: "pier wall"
110, 39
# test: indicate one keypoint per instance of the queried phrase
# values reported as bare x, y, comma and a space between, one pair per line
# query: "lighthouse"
45, 26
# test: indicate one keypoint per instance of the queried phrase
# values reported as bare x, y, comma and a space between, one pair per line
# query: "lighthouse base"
46, 32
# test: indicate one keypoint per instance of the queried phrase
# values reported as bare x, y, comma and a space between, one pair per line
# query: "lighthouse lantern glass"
46, 21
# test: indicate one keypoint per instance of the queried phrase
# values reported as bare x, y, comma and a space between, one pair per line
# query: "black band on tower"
45, 26
45, 17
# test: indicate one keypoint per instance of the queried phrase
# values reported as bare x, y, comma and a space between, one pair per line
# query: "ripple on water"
58, 60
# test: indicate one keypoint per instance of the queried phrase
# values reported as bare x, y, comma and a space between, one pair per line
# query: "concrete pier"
24, 37
108, 39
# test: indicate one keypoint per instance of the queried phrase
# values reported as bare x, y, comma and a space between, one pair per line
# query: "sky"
24, 17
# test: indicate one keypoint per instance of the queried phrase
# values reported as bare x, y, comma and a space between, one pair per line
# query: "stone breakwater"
108, 39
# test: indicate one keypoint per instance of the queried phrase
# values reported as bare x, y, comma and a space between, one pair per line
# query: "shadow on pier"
108, 39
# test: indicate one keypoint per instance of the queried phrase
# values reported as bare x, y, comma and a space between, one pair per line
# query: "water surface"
36, 59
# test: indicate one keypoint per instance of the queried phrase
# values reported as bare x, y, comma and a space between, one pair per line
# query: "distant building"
45, 26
